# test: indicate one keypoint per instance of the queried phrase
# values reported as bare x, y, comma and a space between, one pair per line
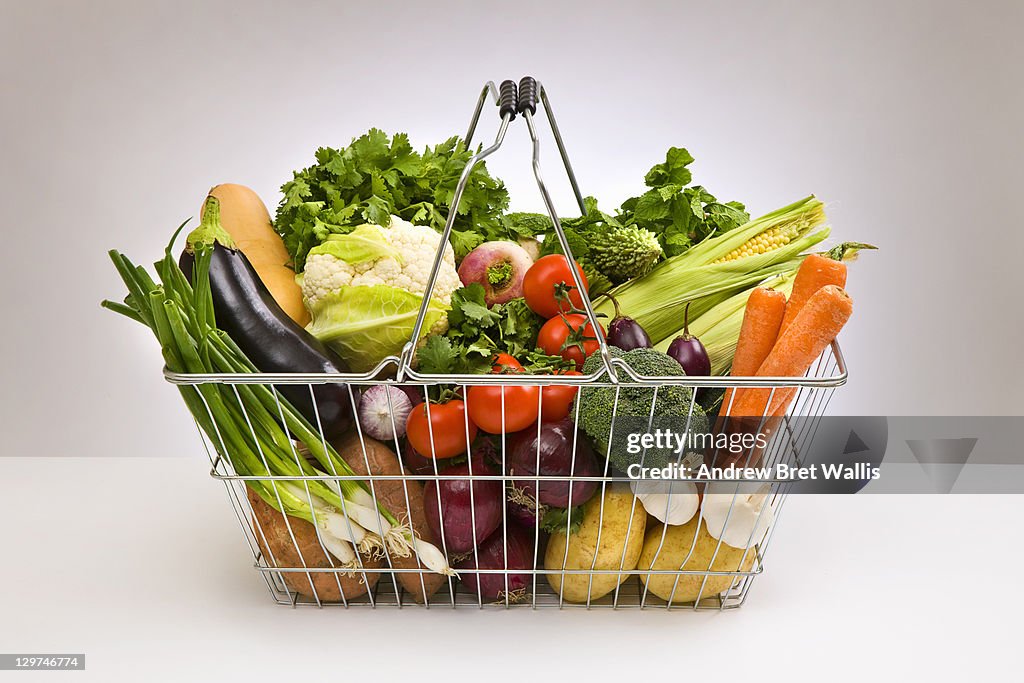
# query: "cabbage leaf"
365, 324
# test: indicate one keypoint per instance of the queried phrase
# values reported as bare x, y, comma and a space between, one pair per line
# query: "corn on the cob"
706, 274
773, 238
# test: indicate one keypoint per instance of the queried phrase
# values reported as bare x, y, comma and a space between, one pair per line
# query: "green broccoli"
674, 406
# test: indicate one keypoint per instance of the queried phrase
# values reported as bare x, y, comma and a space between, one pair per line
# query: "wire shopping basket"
607, 552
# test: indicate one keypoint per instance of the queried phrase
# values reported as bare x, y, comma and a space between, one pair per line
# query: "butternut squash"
244, 215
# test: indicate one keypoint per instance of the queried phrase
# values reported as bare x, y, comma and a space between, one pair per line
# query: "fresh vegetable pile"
681, 284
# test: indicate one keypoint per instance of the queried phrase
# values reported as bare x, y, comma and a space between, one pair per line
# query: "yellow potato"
675, 555
621, 526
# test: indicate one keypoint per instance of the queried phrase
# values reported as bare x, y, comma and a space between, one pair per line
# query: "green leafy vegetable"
366, 323
375, 177
566, 520
363, 244
476, 333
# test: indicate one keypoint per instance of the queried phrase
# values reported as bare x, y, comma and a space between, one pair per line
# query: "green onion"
250, 424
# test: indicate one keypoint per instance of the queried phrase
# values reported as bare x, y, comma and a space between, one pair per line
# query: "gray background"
117, 117
904, 117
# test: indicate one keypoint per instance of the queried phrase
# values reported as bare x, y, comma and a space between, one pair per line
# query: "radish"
499, 267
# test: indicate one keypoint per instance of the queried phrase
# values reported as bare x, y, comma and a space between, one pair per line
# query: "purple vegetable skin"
451, 516
689, 352
492, 555
626, 333
556, 459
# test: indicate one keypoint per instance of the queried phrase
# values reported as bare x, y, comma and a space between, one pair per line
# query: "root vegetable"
383, 412
762, 319
689, 548
462, 515
815, 272
392, 495
670, 502
499, 267
492, 555
275, 541
553, 448
610, 537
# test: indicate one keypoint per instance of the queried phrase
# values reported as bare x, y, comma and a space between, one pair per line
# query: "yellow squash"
244, 215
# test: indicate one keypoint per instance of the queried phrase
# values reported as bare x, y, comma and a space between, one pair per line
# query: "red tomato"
520, 407
540, 282
504, 362
556, 399
447, 425
565, 334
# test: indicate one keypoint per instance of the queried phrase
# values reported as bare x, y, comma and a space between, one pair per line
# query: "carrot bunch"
780, 338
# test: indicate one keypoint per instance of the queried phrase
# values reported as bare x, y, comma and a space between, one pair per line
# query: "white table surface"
139, 563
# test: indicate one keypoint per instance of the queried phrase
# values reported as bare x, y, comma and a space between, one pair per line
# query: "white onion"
380, 419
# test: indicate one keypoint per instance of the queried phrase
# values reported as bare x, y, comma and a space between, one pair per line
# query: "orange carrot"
813, 329
815, 272
760, 329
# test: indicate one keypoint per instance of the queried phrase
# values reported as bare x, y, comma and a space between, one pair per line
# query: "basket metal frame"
814, 391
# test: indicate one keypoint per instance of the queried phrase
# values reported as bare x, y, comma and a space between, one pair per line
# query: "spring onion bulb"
340, 549
431, 556
250, 426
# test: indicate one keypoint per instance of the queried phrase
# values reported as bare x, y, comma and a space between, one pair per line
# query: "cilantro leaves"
476, 333
375, 177
679, 215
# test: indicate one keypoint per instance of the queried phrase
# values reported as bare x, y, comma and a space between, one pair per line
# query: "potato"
273, 538
621, 526
673, 556
245, 217
391, 494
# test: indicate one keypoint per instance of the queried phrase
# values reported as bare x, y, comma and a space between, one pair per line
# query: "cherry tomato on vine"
446, 423
569, 336
556, 399
542, 281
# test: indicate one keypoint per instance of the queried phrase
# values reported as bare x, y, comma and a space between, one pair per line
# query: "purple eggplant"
689, 352
626, 333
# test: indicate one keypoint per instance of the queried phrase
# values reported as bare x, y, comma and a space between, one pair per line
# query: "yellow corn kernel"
761, 243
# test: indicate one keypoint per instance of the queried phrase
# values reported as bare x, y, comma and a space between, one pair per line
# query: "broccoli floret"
674, 406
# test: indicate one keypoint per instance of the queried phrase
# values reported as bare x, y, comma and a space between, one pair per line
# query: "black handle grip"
507, 99
527, 95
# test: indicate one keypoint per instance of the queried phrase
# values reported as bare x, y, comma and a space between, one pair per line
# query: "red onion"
450, 514
556, 459
492, 555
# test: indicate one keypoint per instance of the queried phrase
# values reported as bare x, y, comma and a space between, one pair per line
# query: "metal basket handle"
510, 100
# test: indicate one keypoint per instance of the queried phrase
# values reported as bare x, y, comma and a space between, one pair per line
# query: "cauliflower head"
364, 289
398, 256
